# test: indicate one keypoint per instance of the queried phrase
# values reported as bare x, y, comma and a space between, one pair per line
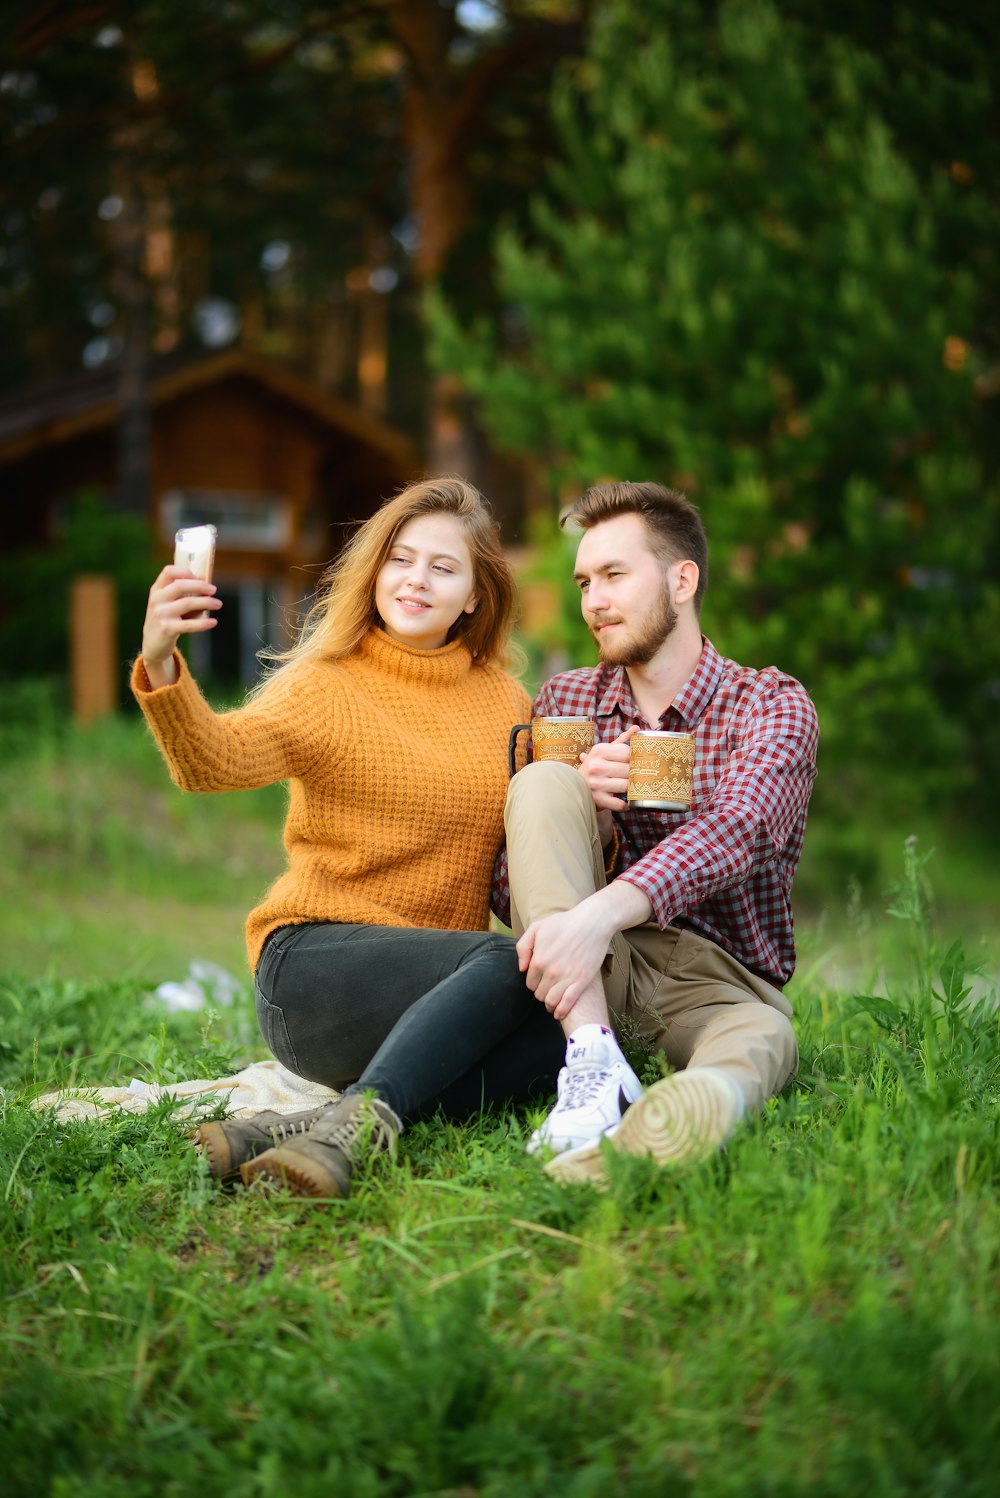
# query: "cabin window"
245, 522
254, 613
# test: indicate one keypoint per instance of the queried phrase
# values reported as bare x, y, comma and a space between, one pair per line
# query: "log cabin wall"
281, 468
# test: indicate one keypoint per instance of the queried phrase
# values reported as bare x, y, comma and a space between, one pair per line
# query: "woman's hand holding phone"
179, 604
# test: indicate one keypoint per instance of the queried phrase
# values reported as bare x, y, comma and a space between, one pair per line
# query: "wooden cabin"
281, 468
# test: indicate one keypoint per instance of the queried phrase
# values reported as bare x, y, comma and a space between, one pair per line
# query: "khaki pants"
684, 995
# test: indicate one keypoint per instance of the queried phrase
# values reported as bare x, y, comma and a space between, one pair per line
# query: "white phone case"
194, 548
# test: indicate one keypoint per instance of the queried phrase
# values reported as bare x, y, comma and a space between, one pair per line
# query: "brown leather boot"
321, 1163
228, 1143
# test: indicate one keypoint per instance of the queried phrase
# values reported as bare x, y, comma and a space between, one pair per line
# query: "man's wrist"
619, 907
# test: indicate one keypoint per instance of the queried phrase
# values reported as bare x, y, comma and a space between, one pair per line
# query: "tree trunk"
444, 108
132, 291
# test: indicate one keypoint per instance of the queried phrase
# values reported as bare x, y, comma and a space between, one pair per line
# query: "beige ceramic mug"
661, 770
561, 739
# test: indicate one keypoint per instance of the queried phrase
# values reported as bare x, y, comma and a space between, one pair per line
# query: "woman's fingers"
184, 586
179, 604
179, 596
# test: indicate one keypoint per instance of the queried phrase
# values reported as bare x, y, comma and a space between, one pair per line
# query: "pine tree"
739, 284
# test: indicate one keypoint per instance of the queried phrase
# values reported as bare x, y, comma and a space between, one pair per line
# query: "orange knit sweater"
397, 766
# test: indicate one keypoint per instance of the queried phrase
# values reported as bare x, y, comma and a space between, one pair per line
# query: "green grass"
110, 870
813, 1311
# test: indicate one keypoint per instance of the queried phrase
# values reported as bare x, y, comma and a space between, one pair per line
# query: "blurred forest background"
749, 249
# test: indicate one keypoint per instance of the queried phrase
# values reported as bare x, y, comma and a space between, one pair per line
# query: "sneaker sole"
682, 1119
299, 1175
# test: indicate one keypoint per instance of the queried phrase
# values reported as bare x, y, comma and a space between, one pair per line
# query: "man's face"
625, 591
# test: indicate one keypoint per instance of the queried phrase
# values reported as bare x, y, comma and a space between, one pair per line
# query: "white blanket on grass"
258, 1087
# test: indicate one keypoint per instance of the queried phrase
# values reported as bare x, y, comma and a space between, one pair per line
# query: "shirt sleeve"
500, 894
760, 795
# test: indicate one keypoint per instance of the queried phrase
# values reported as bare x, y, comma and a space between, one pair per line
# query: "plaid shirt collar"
688, 705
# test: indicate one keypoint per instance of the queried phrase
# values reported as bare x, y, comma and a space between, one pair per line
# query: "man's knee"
748, 1038
775, 1038
547, 789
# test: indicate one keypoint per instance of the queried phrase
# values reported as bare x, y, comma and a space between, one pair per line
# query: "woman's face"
426, 582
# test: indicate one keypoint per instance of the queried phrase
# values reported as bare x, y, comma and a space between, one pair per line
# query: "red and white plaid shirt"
723, 869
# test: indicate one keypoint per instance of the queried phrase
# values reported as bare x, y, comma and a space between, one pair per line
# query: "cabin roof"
51, 414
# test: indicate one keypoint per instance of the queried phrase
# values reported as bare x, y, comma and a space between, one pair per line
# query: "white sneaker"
684, 1118
594, 1089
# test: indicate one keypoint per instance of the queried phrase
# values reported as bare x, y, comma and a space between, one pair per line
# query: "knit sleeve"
276, 736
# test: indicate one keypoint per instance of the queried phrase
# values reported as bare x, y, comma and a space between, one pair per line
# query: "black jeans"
426, 1019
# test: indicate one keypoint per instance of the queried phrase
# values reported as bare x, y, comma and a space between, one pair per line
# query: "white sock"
587, 1034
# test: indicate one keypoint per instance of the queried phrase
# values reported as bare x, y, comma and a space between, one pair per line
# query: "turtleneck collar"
427, 668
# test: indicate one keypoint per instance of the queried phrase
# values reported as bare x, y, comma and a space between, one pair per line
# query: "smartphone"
194, 548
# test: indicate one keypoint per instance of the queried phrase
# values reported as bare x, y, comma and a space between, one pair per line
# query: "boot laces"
361, 1122
285, 1131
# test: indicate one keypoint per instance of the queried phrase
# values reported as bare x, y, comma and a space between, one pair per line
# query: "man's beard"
638, 649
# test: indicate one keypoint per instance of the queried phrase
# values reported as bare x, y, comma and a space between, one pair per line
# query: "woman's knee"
494, 975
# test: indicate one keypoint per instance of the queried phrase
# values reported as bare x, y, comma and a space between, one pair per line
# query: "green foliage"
565, 636
72, 134
804, 1313
940, 1042
108, 868
33, 715
746, 282
94, 537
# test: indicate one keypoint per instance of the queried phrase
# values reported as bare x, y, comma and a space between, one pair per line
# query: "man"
675, 925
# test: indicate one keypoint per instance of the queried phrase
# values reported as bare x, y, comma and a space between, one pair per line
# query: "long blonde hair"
344, 610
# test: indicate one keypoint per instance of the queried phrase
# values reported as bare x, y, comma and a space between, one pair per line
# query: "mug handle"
512, 744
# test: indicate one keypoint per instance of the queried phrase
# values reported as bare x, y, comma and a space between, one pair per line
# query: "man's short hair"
675, 527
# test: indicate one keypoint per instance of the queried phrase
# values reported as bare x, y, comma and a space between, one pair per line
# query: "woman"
373, 971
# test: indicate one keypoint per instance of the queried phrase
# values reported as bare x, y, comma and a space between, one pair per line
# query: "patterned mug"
661, 770
562, 739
